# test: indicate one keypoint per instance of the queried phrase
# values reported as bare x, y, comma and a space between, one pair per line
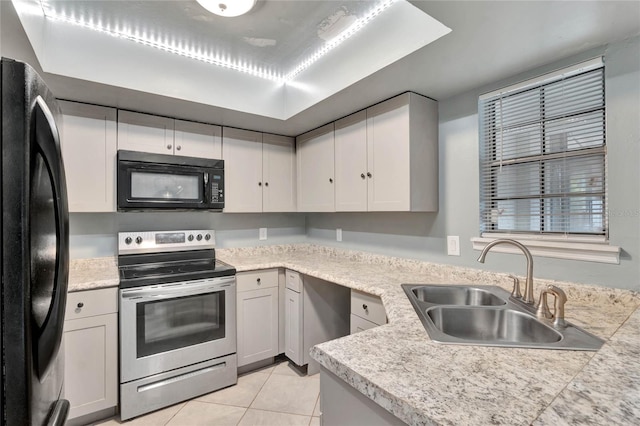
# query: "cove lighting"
198, 54
340, 38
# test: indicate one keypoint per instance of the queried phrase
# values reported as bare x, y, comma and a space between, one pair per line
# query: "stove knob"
207, 237
138, 240
190, 237
199, 237
128, 240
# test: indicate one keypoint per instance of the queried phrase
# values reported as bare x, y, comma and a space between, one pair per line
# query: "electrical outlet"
339, 234
453, 245
263, 233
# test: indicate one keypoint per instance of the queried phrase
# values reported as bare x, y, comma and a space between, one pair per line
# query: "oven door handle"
179, 289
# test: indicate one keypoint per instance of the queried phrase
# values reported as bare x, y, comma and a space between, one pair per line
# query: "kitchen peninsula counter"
419, 381
422, 382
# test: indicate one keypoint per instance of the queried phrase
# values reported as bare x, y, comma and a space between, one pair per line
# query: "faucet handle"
558, 306
516, 287
543, 311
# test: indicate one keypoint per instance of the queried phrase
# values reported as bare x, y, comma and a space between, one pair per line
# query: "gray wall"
94, 234
423, 235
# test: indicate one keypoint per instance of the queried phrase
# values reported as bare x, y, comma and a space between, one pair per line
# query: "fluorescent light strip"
50, 13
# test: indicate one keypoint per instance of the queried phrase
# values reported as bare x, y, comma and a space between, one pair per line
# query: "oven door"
172, 325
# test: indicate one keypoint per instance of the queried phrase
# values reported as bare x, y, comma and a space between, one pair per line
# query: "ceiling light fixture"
228, 8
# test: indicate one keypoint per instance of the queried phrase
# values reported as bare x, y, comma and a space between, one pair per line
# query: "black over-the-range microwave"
169, 182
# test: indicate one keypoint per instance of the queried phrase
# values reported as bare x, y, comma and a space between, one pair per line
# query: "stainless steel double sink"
485, 316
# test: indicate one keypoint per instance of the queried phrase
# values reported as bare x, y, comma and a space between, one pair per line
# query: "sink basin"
491, 325
488, 316
458, 295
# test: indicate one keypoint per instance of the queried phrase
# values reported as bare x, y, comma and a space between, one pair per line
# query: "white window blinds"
543, 155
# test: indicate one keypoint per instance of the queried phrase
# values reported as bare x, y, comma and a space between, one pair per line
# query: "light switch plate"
453, 245
263, 233
339, 234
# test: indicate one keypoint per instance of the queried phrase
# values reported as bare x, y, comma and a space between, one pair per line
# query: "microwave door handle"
205, 191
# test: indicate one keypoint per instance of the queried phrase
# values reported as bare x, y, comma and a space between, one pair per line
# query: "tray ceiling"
277, 60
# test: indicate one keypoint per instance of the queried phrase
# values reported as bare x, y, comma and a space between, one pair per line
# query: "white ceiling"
176, 49
490, 41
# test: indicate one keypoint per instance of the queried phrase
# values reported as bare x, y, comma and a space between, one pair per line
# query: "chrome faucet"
528, 285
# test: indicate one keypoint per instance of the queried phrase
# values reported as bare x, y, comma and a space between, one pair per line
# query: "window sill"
588, 249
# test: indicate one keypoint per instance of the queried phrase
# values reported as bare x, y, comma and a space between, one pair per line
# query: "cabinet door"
144, 132
91, 364
351, 163
278, 173
388, 147
315, 154
198, 140
89, 147
257, 325
293, 325
242, 155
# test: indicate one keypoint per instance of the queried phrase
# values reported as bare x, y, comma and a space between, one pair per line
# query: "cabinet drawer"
254, 280
368, 307
360, 324
88, 303
293, 280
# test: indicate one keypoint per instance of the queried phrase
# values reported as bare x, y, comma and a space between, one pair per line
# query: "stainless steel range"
177, 319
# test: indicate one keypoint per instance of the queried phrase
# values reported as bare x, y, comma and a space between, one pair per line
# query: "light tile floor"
278, 395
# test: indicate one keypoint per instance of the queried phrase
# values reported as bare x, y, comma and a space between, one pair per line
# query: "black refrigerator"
34, 241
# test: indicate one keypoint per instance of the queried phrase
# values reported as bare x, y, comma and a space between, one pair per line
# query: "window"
543, 157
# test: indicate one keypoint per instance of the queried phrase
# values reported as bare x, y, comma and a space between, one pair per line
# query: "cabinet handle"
80, 305
362, 175
368, 174
168, 146
178, 147
258, 281
266, 184
330, 180
364, 306
259, 183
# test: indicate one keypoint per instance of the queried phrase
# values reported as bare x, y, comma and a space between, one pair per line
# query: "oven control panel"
163, 241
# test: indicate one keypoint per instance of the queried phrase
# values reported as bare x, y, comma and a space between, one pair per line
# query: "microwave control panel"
217, 195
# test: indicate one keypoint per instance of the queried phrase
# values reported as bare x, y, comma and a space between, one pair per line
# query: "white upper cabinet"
389, 159
144, 132
260, 172
351, 163
315, 154
242, 155
278, 173
163, 135
89, 146
197, 139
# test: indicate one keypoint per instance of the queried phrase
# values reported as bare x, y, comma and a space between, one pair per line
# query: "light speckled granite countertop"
422, 382
90, 274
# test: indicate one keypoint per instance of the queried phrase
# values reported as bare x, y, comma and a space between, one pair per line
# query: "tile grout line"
256, 395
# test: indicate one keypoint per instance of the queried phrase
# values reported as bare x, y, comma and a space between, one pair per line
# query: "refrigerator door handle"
47, 146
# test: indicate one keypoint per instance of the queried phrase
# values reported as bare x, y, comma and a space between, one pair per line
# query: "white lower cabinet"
257, 315
293, 326
91, 351
366, 311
